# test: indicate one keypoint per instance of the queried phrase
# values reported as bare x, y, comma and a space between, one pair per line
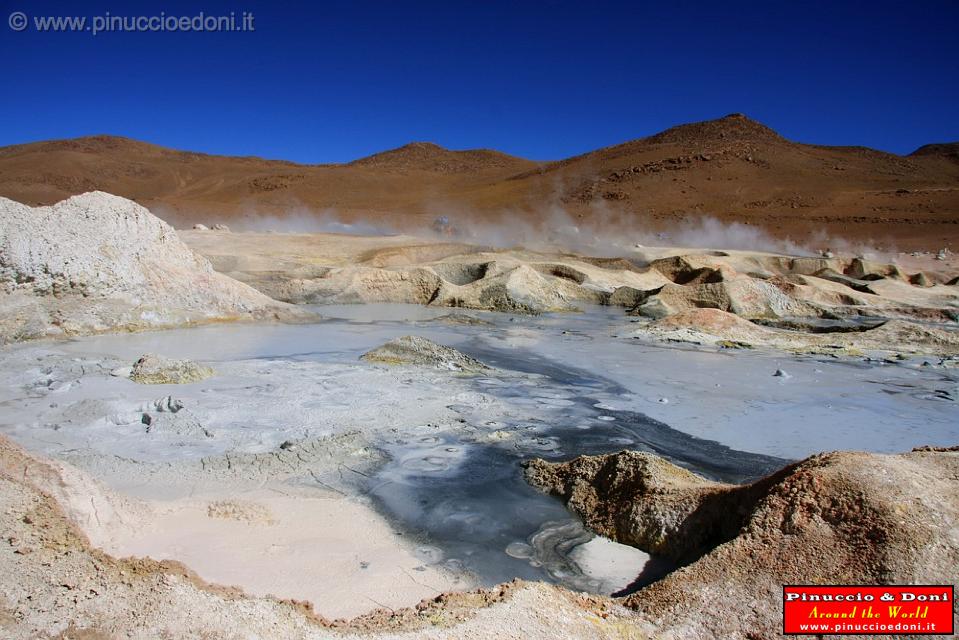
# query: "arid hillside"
732, 168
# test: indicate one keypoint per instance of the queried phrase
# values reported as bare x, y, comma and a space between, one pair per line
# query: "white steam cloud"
298, 219
601, 232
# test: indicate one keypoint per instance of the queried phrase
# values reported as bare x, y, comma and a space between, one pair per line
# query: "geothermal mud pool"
301, 471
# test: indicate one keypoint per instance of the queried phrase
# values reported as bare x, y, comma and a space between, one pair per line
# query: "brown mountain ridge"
733, 168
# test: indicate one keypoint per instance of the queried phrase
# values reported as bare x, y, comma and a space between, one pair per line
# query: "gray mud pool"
450, 446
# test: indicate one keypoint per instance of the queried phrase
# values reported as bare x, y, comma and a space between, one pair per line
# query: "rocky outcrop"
834, 518
721, 328
744, 296
642, 500
97, 262
765, 286
321, 268
507, 287
154, 369
417, 351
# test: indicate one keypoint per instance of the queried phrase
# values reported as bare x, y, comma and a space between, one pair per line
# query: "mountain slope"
738, 170
731, 168
426, 156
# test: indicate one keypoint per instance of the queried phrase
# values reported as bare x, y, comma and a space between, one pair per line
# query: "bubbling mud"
462, 489
438, 453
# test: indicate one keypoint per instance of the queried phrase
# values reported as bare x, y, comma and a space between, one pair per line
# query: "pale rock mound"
721, 328
153, 369
710, 326
757, 286
743, 295
321, 268
98, 262
361, 284
444, 275
517, 288
835, 518
904, 336
513, 288
417, 351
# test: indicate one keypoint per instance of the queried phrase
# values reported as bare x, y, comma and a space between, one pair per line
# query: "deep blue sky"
339, 80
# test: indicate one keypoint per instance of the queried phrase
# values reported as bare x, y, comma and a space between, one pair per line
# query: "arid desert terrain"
411, 429
734, 170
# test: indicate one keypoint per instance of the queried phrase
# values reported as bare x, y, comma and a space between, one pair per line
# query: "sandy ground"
335, 553
65, 588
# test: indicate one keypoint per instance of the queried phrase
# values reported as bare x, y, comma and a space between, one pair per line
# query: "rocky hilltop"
98, 262
426, 156
731, 168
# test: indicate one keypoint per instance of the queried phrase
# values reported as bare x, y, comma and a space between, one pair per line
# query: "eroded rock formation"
834, 518
721, 328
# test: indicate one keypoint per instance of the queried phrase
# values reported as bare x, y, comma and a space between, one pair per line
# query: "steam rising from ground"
604, 232
607, 233
306, 222
295, 220
601, 232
